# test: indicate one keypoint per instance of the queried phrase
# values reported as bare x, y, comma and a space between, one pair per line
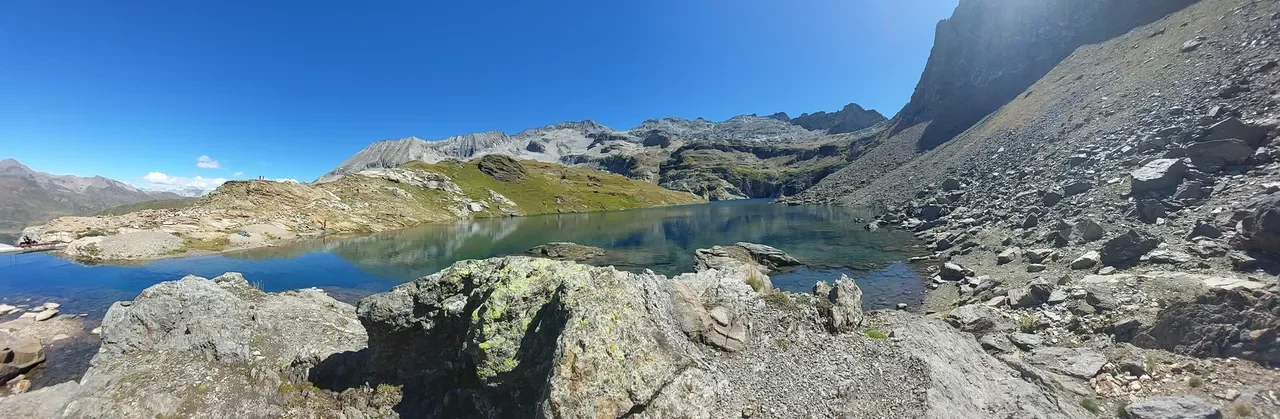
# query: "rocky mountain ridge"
645, 152
1116, 205
986, 55
28, 196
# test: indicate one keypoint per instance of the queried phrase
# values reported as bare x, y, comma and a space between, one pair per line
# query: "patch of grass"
548, 188
782, 343
216, 244
1028, 323
93, 232
1151, 364
158, 204
1120, 410
1242, 409
1090, 404
781, 300
92, 250
756, 280
874, 333
1195, 382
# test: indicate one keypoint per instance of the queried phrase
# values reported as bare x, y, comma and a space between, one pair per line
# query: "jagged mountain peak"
573, 142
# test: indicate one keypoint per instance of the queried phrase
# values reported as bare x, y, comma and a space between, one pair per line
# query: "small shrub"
92, 250
1195, 382
781, 300
216, 244
1120, 410
1151, 364
1090, 404
875, 333
782, 343
1242, 409
1028, 323
93, 232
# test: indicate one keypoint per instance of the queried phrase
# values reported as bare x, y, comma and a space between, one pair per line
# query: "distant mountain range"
30, 197
655, 150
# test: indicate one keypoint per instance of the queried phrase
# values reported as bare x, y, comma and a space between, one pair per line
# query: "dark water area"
829, 240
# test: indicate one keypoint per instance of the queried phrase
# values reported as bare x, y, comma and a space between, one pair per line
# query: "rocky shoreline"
515, 336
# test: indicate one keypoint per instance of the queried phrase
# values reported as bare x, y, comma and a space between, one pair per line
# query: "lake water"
829, 240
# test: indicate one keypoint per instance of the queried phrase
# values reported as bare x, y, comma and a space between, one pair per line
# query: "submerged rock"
18, 355
566, 251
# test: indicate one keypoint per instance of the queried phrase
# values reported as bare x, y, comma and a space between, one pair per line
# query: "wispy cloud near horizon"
206, 162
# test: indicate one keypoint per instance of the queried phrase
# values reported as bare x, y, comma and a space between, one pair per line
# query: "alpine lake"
829, 241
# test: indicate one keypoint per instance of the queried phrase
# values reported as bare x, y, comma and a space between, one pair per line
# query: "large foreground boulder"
522, 337
208, 349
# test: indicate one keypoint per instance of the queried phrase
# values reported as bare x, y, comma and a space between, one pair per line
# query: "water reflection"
829, 240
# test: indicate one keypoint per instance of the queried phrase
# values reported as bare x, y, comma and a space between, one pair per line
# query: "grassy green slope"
148, 205
546, 188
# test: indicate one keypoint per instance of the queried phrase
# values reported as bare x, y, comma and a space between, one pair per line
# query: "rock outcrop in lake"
519, 336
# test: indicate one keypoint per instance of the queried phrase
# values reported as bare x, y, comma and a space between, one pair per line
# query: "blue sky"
287, 89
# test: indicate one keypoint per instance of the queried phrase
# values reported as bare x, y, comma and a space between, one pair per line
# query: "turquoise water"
829, 240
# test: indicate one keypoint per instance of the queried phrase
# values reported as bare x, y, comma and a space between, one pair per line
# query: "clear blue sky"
287, 89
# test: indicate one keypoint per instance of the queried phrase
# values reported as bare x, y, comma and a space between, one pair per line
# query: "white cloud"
162, 182
206, 162
239, 174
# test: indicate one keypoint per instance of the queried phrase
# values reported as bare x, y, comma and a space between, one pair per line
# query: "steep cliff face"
991, 50
985, 56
